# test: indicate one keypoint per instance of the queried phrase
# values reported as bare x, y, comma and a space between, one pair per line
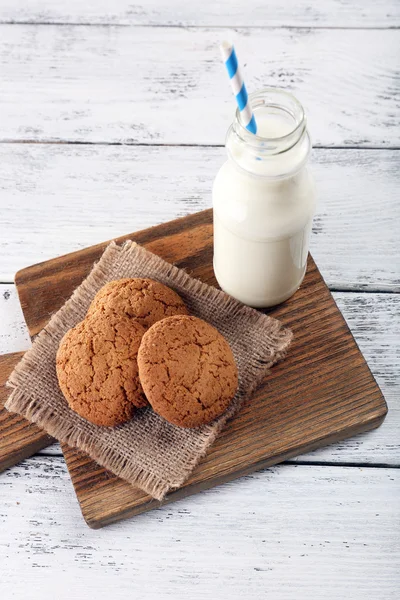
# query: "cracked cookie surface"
97, 369
146, 300
187, 370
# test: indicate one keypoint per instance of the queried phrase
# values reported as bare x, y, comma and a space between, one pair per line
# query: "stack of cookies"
138, 346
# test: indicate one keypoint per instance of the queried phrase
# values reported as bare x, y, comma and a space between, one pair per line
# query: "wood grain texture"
374, 320
149, 85
295, 532
18, 438
321, 393
69, 197
324, 13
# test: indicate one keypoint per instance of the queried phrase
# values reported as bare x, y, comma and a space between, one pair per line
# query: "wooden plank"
18, 438
167, 85
291, 13
374, 320
69, 197
298, 532
323, 392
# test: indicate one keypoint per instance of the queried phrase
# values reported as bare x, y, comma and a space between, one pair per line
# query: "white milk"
264, 201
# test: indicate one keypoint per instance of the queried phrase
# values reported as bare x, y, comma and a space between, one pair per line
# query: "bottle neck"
281, 146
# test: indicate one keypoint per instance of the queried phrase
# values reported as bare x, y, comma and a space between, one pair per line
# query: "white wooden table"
112, 118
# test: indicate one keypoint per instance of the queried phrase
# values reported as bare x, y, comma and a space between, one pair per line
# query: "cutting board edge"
26, 452
169, 226
185, 492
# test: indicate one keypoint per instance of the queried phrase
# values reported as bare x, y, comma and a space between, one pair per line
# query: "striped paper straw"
239, 89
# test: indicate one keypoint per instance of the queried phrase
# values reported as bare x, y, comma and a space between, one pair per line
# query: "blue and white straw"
239, 89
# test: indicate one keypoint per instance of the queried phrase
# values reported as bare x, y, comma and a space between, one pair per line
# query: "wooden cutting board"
18, 438
323, 392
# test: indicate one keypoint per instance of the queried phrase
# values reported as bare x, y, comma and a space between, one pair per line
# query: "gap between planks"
166, 145
57, 453
343, 290
192, 26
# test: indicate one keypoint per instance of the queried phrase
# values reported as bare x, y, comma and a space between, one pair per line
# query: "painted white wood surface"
374, 320
14, 336
58, 198
315, 13
167, 85
289, 533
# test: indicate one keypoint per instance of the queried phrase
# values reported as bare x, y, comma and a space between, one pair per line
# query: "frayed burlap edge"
274, 344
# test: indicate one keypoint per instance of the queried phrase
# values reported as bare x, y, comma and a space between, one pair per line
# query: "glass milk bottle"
264, 202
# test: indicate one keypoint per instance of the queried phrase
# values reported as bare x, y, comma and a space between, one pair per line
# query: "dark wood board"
323, 392
19, 439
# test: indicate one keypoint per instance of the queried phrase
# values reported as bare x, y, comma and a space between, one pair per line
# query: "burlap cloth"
147, 451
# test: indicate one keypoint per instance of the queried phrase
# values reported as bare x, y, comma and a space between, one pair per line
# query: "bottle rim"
269, 97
